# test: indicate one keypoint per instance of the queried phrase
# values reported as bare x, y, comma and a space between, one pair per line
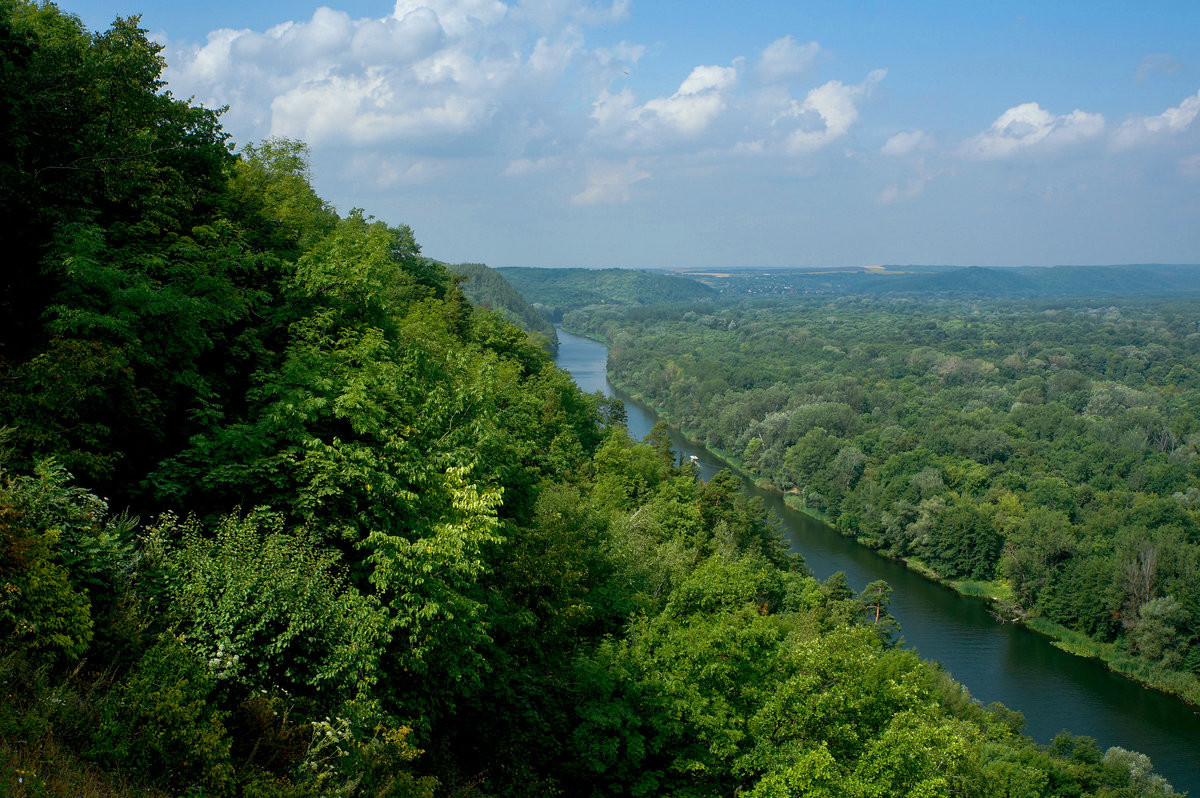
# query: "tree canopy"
361, 538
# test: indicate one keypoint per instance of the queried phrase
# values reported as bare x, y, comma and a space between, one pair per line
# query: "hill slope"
487, 288
557, 291
386, 548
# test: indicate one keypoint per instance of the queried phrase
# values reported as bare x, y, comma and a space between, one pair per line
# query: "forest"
558, 291
283, 514
944, 282
1044, 454
486, 288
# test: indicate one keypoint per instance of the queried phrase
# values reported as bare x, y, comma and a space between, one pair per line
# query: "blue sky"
715, 134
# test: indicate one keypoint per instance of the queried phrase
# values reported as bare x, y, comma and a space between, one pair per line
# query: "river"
996, 661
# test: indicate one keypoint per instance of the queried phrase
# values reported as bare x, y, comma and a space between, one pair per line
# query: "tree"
1156, 633
42, 610
273, 609
963, 542
874, 598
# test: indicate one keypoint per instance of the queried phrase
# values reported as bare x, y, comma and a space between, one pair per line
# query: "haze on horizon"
570, 133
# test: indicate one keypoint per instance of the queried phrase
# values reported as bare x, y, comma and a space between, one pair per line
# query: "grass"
43, 768
1183, 685
996, 590
793, 502
914, 564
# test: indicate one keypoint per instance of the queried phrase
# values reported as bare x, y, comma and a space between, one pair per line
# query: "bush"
160, 725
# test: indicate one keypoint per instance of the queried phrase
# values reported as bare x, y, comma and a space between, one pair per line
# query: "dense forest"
282, 515
558, 291
486, 288
942, 282
1044, 454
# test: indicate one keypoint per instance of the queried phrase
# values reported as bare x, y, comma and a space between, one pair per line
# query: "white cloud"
1145, 129
696, 104
609, 183
906, 142
912, 187
509, 81
552, 14
784, 58
459, 18
827, 113
364, 110
612, 111
386, 171
429, 74
710, 110
1029, 127
397, 40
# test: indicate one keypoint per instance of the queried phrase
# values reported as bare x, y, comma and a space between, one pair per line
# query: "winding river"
996, 661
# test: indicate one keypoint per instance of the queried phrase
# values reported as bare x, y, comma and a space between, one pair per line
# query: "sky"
717, 134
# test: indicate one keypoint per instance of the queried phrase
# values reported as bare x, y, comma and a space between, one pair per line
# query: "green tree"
270, 608
1156, 633
963, 542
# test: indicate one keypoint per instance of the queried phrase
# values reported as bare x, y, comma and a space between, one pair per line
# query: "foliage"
487, 288
266, 609
60, 556
557, 291
458, 576
160, 724
1052, 446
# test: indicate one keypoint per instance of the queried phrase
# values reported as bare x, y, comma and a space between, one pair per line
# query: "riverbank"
1182, 686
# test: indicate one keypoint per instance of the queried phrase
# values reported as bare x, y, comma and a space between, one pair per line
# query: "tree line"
1045, 454
282, 514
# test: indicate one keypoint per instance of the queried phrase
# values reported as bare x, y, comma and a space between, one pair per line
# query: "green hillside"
487, 288
283, 515
959, 282
558, 291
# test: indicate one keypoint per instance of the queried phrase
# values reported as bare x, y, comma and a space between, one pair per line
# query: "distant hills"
556, 291
1019, 282
1029, 281
536, 298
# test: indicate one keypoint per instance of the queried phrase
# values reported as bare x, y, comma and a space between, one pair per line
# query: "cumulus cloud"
1029, 127
698, 100
459, 18
363, 109
826, 114
609, 183
688, 112
438, 88
428, 72
784, 59
907, 142
1146, 129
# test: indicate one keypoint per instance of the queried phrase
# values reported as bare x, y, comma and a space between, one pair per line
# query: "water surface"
996, 661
